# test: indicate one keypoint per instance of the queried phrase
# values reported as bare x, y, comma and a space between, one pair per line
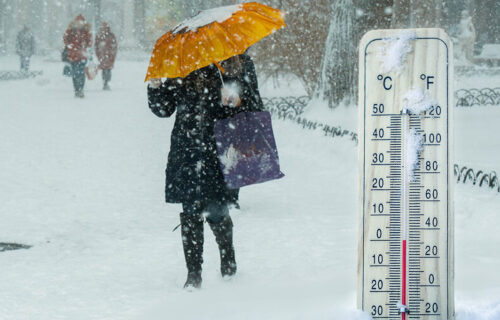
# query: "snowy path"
82, 181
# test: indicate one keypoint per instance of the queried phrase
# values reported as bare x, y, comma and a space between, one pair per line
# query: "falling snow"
81, 181
413, 148
229, 159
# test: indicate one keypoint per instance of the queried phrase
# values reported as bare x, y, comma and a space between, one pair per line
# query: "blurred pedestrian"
77, 40
194, 176
106, 48
25, 47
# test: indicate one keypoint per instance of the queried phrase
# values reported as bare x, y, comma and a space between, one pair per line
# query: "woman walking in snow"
77, 40
193, 174
105, 49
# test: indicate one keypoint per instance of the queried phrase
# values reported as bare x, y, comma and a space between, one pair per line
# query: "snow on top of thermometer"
417, 100
394, 51
413, 147
206, 17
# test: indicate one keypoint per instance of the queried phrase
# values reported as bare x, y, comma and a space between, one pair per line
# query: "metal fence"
291, 108
477, 177
463, 98
5, 246
477, 97
286, 105
18, 75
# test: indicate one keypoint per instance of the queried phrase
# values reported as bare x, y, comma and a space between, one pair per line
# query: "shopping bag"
247, 149
92, 68
67, 70
64, 55
91, 71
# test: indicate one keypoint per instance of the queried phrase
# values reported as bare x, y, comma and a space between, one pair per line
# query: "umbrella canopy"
211, 36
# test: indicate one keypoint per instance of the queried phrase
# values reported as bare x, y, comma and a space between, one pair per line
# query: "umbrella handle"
221, 69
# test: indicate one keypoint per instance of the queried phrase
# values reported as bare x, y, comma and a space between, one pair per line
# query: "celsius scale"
405, 268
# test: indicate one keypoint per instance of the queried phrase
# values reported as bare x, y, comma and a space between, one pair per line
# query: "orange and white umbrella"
212, 36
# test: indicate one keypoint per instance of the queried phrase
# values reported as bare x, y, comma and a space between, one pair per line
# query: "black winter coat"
193, 171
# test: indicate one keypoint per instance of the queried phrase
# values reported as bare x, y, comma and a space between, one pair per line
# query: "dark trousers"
78, 74
215, 211
106, 76
217, 214
25, 63
234, 195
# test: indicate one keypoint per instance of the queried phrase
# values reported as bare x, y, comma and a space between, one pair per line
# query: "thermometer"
405, 268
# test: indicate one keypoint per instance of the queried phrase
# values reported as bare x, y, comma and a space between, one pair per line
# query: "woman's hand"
230, 97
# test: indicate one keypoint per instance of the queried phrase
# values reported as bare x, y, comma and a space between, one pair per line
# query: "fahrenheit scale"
405, 268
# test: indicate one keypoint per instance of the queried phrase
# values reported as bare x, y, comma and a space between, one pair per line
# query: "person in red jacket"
77, 40
105, 49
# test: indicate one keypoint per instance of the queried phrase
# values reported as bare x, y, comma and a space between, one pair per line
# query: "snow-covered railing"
477, 97
6, 246
463, 98
18, 75
286, 105
290, 108
477, 177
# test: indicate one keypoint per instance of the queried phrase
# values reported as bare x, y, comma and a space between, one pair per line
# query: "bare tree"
486, 14
373, 14
417, 14
400, 14
319, 46
299, 48
140, 22
337, 82
97, 13
2, 26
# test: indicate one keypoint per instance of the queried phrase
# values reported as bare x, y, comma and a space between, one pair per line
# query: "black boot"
192, 242
223, 232
233, 195
106, 86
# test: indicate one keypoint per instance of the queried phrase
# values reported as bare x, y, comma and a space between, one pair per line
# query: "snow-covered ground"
82, 182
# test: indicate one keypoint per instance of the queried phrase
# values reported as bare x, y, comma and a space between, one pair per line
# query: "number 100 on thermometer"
405, 268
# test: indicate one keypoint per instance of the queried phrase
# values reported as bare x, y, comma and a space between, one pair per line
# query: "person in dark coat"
193, 175
25, 47
77, 40
106, 48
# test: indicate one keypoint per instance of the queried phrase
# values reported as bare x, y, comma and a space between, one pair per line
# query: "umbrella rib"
180, 52
281, 23
274, 14
205, 61
206, 42
234, 46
